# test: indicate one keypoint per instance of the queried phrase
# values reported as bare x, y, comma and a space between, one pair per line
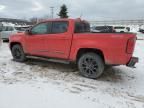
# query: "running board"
50, 59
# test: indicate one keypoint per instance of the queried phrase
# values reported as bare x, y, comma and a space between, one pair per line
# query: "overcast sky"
88, 9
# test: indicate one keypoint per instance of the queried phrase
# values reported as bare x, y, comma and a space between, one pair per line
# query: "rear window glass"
82, 27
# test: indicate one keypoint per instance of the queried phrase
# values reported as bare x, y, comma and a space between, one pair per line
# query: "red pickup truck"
71, 40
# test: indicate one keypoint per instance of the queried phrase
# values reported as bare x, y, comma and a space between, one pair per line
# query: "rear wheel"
18, 53
91, 65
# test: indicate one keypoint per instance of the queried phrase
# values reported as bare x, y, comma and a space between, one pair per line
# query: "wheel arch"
82, 51
14, 43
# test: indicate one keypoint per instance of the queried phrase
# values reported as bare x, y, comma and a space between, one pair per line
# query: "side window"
59, 27
42, 28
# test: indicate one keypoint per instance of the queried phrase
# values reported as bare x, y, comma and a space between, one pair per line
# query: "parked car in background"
103, 29
6, 31
141, 30
71, 40
122, 29
22, 28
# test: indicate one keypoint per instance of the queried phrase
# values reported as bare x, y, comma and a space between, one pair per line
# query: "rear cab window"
82, 27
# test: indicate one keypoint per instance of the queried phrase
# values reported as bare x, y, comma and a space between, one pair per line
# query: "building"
15, 21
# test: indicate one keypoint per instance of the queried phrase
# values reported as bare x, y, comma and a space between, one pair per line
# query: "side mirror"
28, 32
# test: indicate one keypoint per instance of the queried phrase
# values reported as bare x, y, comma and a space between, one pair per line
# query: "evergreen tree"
63, 12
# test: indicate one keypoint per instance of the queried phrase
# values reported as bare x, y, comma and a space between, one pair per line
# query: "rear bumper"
132, 62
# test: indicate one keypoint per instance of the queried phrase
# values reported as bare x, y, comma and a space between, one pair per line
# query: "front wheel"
91, 65
18, 53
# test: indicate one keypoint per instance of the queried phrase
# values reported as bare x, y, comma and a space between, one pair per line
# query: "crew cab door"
35, 39
58, 42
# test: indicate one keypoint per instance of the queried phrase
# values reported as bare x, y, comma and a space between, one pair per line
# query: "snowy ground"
43, 84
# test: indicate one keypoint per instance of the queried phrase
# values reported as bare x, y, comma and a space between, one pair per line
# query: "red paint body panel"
66, 45
112, 45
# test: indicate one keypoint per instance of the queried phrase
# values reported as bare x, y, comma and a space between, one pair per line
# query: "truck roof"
64, 19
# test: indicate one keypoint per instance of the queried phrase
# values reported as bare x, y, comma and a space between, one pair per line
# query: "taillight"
130, 45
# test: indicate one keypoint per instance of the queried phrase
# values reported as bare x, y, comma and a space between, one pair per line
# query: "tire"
18, 53
91, 65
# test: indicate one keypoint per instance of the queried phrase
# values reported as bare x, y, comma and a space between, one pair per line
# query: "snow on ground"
43, 84
135, 29
140, 36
